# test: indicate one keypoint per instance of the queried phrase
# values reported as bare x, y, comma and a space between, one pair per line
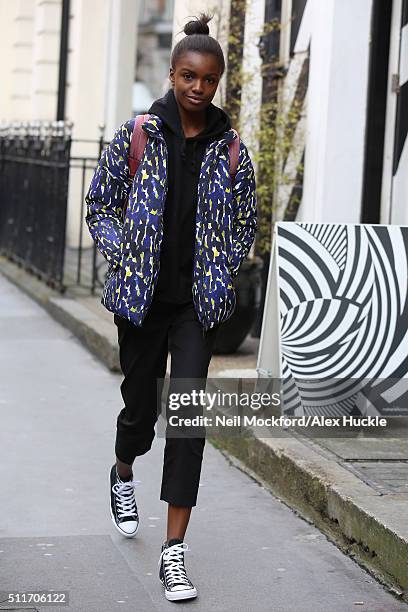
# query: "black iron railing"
38, 175
34, 173
85, 266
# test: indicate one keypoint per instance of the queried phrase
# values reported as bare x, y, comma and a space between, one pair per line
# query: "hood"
217, 121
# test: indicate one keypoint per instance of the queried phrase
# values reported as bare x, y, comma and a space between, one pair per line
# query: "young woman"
188, 224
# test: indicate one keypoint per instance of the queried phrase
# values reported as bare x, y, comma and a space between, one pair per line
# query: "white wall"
29, 35
336, 111
7, 20
100, 81
251, 96
16, 44
120, 63
45, 66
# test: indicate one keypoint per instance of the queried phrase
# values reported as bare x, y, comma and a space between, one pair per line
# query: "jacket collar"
154, 124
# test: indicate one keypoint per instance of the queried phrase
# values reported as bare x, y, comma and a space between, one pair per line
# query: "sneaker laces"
173, 564
125, 498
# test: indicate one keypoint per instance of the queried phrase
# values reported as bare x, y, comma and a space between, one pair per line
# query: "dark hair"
198, 39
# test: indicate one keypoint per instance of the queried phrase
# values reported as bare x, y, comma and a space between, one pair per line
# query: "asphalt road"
249, 552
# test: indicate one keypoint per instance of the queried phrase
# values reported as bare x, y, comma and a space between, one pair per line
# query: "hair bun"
198, 25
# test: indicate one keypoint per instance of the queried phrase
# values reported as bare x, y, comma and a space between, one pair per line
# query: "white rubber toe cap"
183, 593
127, 528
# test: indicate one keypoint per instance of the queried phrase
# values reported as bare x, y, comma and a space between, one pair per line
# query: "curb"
342, 506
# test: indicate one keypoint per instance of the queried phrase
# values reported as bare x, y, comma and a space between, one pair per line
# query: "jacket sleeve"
245, 214
107, 194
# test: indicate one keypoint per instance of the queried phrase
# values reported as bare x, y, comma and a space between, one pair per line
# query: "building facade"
343, 62
97, 86
347, 64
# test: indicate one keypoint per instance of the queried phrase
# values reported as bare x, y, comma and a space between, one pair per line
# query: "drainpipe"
63, 60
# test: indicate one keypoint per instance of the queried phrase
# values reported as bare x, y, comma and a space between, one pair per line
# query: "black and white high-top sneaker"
123, 506
172, 572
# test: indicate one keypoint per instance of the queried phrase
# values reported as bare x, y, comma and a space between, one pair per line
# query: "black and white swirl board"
335, 326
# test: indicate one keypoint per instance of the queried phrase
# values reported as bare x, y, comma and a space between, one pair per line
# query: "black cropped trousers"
143, 352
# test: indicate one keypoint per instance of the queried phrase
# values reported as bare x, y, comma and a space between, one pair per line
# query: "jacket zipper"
206, 186
161, 138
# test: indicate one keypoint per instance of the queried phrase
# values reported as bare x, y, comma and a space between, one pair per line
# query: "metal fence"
39, 176
34, 174
85, 267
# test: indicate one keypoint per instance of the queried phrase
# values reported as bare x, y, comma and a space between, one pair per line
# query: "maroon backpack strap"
234, 155
137, 145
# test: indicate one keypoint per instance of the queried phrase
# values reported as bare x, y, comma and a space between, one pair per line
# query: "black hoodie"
185, 156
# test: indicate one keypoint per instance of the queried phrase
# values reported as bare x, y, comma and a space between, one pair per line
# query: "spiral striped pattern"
344, 316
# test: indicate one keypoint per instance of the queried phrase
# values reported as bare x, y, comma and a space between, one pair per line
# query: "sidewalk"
354, 490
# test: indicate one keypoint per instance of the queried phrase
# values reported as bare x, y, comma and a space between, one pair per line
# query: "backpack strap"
234, 155
137, 145
139, 140
136, 150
